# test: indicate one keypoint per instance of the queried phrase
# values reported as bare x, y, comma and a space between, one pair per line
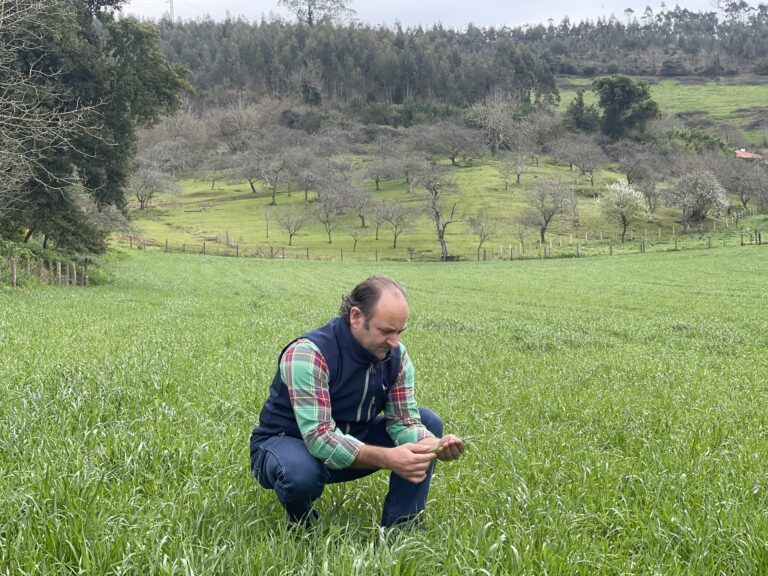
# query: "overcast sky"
451, 13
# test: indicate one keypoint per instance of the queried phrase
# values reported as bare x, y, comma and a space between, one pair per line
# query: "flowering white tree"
696, 193
621, 202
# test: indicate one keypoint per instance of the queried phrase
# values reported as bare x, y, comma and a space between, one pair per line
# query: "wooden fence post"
610, 248
307, 253
376, 254
58, 273
26, 265
85, 273
13, 272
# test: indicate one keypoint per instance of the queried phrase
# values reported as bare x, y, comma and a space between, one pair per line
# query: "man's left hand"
449, 447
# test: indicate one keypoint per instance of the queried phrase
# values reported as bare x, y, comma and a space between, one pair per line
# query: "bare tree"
292, 221
382, 168
450, 139
621, 202
267, 159
33, 122
521, 147
647, 187
356, 234
147, 180
378, 216
328, 210
506, 167
548, 199
306, 170
494, 119
588, 156
437, 182
399, 217
359, 200
743, 179
484, 228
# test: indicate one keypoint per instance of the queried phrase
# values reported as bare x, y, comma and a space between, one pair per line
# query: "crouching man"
323, 421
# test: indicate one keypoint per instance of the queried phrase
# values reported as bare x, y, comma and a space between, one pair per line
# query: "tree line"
322, 59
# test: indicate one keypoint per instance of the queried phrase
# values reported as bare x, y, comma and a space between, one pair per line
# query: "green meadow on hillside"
712, 103
230, 215
613, 409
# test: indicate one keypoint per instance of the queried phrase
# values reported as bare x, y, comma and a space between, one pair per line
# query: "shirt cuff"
344, 454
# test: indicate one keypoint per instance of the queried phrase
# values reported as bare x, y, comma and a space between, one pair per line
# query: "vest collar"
352, 346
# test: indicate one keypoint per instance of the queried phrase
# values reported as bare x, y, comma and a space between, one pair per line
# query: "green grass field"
614, 409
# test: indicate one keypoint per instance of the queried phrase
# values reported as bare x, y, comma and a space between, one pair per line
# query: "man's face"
382, 330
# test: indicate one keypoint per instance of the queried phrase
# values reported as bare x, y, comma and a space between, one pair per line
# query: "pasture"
708, 104
614, 408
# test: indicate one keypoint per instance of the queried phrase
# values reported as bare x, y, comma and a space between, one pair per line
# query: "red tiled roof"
747, 155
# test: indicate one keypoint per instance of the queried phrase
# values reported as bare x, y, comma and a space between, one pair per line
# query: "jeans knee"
431, 421
300, 482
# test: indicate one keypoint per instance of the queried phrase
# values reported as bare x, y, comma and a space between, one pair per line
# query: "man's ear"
356, 317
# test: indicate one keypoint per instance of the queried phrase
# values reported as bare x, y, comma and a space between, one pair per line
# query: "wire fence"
554, 246
15, 271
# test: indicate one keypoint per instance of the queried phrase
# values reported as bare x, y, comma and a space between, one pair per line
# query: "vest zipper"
365, 393
370, 407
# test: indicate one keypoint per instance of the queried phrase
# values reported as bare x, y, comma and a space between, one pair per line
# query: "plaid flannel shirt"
306, 374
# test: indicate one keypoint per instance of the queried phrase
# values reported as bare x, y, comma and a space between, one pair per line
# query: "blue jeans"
283, 464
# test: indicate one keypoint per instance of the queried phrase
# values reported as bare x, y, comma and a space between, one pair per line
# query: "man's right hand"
409, 461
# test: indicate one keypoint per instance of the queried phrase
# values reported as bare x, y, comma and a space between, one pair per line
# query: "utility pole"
170, 10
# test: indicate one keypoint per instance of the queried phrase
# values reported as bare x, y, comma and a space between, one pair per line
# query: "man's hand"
409, 461
447, 448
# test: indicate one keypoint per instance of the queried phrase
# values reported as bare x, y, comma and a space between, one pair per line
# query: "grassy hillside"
611, 407
231, 212
739, 102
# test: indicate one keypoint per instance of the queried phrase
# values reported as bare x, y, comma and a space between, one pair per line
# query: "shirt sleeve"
401, 411
306, 374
